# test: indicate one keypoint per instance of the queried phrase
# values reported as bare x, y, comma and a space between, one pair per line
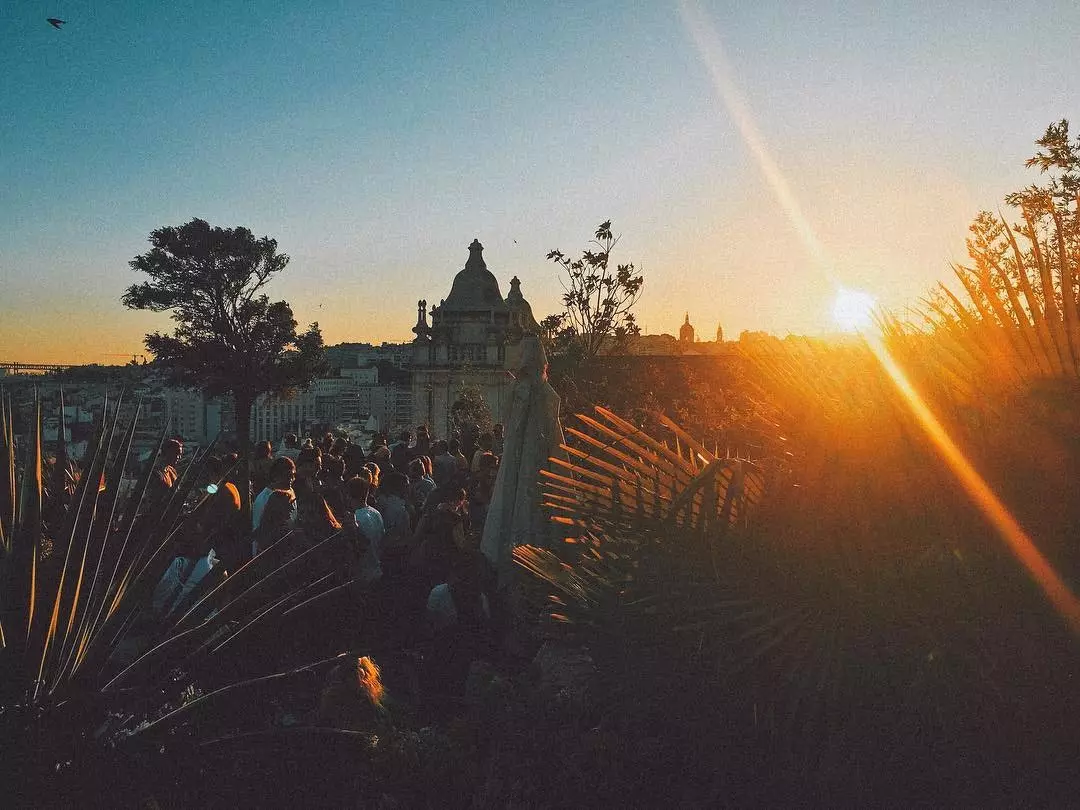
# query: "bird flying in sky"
55, 23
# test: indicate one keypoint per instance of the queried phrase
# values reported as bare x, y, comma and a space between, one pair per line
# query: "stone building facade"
473, 340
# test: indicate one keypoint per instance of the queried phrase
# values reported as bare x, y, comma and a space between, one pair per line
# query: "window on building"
468, 353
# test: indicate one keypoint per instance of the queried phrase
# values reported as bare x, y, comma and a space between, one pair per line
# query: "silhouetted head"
373, 473
282, 473
172, 451
309, 462
357, 490
291, 441
333, 468
395, 483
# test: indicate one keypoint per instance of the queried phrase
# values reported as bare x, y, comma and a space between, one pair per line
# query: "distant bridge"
31, 368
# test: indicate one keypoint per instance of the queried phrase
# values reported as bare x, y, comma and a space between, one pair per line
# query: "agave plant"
85, 664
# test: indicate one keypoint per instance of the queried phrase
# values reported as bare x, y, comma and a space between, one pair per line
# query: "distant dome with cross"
686, 331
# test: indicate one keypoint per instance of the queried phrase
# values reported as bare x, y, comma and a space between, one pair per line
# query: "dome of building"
520, 308
475, 288
686, 331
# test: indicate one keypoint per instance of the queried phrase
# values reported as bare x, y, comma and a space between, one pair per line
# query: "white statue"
533, 433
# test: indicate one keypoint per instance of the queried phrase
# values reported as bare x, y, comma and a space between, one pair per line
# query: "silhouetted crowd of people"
400, 519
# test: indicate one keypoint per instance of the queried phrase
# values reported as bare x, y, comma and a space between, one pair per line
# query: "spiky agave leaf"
108, 556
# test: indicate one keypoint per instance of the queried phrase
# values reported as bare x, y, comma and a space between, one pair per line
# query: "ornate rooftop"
475, 288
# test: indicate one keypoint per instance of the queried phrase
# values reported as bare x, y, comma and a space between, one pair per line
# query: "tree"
598, 301
1022, 276
229, 338
470, 409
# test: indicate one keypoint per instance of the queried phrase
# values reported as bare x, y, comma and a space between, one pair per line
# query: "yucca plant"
86, 665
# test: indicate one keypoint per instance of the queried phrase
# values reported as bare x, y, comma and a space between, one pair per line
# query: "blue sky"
375, 140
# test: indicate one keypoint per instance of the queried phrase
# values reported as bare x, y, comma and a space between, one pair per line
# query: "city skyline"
375, 146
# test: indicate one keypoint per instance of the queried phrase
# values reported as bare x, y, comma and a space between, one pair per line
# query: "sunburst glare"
853, 310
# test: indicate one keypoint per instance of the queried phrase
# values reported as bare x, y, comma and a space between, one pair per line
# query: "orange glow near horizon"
856, 311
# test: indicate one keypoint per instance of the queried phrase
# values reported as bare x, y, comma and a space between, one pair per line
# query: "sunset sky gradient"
375, 140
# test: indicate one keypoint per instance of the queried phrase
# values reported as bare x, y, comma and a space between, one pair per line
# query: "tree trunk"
243, 441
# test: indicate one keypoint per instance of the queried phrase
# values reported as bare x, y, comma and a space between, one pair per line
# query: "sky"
375, 140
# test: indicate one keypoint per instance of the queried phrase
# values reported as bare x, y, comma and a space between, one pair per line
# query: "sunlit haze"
853, 310
374, 145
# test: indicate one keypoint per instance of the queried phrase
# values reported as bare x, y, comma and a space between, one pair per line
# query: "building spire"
686, 331
421, 327
476, 256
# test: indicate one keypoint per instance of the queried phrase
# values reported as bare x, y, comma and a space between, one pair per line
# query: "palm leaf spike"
1034, 306
617, 438
652, 450
1015, 338
1030, 317
605, 447
94, 601
79, 524
608, 446
59, 485
103, 595
697, 447
32, 525
133, 509
228, 609
7, 488
972, 345
1068, 294
235, 580
99, 534
954, 357
1046, 282
109, 625
169, 720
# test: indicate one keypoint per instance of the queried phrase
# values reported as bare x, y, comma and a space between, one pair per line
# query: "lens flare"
981, 494
853, 310
700, 29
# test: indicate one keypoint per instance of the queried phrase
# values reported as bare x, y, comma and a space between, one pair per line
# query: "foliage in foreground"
860, 633
89, 675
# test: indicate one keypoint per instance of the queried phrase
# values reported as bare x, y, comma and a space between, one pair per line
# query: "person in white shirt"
273, 512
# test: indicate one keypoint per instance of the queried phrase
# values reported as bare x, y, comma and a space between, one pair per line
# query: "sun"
853, 310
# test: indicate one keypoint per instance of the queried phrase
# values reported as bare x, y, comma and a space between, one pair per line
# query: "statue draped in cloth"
533, 433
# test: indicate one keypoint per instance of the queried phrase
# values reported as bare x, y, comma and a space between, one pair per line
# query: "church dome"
517, 304
686, 331
475, 288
